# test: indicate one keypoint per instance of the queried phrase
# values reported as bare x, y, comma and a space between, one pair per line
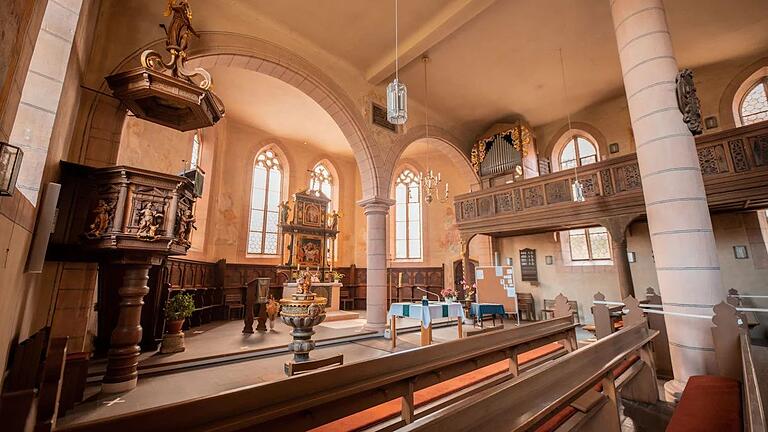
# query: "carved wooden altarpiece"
311, 231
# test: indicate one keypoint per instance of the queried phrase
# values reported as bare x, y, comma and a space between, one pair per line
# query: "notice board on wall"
497, 285
528, 271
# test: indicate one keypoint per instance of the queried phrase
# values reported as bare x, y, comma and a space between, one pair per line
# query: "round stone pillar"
376, 210
676, 204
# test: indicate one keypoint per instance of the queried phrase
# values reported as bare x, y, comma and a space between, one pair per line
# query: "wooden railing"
306, 401
734, 164
754, 414
527, 401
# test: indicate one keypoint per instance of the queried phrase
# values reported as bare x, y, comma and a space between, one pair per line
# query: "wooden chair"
234, 302
527, 306
346, 299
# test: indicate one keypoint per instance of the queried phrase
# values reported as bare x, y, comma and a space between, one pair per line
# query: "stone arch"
449, 148
100, 138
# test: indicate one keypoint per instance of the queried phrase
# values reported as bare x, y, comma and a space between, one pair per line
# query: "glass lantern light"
397, 102
10, 165
578, 191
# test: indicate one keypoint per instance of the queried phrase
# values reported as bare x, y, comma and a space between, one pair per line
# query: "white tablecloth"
428, 313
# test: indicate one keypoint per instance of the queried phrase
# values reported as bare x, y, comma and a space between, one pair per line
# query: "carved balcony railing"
734, 164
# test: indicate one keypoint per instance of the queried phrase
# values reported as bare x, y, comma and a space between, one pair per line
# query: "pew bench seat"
708, 403
566, 413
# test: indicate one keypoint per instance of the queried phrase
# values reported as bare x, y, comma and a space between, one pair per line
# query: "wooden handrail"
306, 401
754, 416
526, 401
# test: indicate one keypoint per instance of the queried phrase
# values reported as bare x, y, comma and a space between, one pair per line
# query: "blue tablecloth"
428, 313
486, 309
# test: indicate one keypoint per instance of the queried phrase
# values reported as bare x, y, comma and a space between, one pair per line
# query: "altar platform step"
340, 315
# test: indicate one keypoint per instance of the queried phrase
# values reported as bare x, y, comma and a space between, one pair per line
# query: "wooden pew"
730, 401
31, 391
314, 399
584, 379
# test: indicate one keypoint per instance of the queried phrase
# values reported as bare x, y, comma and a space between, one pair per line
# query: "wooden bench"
32, 388
579, 390
732, 400
317, 398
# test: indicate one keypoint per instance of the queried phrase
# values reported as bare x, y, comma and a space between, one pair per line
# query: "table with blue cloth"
425, 314
478, 310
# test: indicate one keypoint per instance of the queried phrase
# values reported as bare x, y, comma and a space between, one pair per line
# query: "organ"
505, 153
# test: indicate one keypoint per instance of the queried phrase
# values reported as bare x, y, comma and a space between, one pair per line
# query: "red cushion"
709, 403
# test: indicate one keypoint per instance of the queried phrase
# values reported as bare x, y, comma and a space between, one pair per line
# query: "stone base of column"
377, 327
673, 390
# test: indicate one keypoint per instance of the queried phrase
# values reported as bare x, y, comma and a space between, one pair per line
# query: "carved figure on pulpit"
102, 216
184, 225
284, 209
149, 222
181, 24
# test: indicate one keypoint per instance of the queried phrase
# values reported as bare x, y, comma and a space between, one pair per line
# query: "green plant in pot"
177, 309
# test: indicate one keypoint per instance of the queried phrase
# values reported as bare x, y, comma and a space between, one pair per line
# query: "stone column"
123, 354
678, 215
617, 230
376, 210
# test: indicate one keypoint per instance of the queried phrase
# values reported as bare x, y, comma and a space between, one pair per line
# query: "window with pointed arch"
754, 106
578, 151
266, 191
321, 180
408, 216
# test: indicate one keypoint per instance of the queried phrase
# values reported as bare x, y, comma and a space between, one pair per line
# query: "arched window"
266, 190
407, 216
195, 158
577, 152
754, 106
321, 180
591, 244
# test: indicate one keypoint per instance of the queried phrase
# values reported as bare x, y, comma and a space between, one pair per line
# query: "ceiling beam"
447, 20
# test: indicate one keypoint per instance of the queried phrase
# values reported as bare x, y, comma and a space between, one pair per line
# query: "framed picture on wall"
309, 250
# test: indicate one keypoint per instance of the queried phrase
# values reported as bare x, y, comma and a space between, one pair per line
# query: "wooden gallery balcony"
734, 164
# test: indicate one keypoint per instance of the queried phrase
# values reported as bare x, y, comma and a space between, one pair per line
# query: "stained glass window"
195, 158
321, 180
266, 190
407, 216
577, 152
754, 107
589, 244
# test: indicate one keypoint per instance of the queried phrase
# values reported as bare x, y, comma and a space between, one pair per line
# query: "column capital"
376, 205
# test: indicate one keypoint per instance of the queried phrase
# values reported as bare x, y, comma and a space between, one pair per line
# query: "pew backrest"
526, 401
316, 398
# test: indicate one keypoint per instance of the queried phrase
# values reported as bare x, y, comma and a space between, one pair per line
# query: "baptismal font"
302, 311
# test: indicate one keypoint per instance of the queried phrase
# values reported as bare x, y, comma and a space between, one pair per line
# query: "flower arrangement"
469, 290
336, 276
449, 293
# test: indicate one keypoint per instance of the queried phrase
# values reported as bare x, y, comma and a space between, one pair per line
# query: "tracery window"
577, 152
754, 106
408, 216
266, 190
321, 180
590, 244
195, 158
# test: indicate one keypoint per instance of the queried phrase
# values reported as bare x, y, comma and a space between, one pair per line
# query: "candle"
400, 279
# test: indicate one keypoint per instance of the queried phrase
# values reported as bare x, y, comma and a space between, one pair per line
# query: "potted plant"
336, 276
177, 309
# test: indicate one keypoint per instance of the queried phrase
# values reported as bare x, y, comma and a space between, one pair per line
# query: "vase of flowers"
336, 276
449, 294
469, 290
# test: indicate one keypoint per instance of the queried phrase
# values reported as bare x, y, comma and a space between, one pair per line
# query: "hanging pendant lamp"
577, 188
397, 94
